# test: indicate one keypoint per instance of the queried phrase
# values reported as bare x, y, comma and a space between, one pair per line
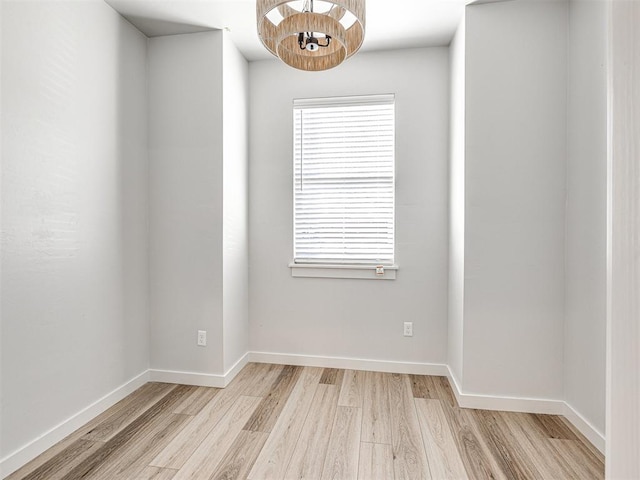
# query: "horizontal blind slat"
344, 180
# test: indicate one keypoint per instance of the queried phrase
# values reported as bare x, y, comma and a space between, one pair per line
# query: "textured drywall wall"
185, 158
586, 218
74, 212
515, 198
345, 317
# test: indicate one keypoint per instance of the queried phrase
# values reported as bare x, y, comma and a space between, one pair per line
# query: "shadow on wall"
132, 204
154, 27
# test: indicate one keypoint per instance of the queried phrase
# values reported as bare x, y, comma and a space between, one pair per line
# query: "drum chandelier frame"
311, 35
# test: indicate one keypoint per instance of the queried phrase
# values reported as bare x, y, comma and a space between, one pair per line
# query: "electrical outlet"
202, 338
408, 329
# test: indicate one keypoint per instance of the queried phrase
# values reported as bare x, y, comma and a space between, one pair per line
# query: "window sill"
364, 272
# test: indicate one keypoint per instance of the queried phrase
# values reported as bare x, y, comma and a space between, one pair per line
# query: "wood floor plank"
155, 473
423, 386
584, 442
332, 376
504, 446
263, 377
102, 456
251, 377
136, 454
195, 402
309, 434
445, 392
351, 392
110, 427
476, 455
124, 404
267, 413
65, 461
536, 447
376, 414
185, 443
339, 378
543, 428
553, 427
241, 456
311, 448
206, 458
343, 452
376, 462
409, 456
586, 467
274, 458
442, 453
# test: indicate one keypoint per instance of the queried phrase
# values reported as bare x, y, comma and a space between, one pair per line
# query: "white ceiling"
390, 23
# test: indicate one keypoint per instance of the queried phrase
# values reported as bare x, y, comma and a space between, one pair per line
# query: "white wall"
186, 197
198, 103
341, 317
623, 243
515, 198
457, 51
585, 307
1, 163
74, 212
235, 262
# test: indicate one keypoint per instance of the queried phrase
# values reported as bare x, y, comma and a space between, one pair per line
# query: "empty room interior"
341, 239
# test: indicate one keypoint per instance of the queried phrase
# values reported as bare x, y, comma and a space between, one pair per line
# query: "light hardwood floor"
283, 422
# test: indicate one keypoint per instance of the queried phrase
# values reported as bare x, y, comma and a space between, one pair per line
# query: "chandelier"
311, 35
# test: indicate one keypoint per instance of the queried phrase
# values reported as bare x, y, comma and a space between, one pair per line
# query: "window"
344, 153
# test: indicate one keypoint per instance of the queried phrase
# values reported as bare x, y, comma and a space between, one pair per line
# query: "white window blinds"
344, 151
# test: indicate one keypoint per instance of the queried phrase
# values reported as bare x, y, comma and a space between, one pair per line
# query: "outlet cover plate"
408, 329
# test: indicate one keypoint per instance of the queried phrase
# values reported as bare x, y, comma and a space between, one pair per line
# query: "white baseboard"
199, 379
187, 378
585, 427
25, 454
505, 404
235, 369
529, 405
349, 363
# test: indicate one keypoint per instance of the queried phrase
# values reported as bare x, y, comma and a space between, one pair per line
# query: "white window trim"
321, 270
382, 99
348, 270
